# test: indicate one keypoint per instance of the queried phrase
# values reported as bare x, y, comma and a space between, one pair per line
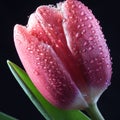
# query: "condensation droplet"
96, 36
82, 25
38, 63
96, 59
77, 35
35, 72
81, 20
90, 38
41, 54
37, 58
90, 17
83, 31
73, 6
90, 48
85, 43
78, 26
89, 25
79, 6
84, 50
97, 70
82, 13
85, 18
71, 17
89, 71
93, 31
91, 61
31, 51
102, 36
101, 52
100, 47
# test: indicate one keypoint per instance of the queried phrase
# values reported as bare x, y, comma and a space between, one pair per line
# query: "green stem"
94, 112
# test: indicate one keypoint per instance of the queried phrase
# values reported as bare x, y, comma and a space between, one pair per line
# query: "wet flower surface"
65, 54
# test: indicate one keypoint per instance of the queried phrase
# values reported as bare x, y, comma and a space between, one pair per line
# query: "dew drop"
35, 72
84, 50
28, 48
90, 17
101, 52
45, 60
37, 50
77, 35
91, 61
83, 31
96, 36
82, 13
85, 43
38, 63
41, 54
107, 65
100, 47
89, 25
93, 31
97, 70
78, 26
82, 25
90, 38
37, 58
31, 51
72, 6
71, 17
103, 58
64, 20
96, 59
102, 36
90, 48
86, 18
81, 20
49, 25
90, 71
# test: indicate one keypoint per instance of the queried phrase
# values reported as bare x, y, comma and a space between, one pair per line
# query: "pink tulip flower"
64, 52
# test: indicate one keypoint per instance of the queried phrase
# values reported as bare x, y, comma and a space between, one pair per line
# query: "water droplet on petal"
86, 18
100, 47
84, 50
90, 48
82, 25
85, 43
35, 72
77, 35
91, 61
83, 31
78, 26
73, 6
90, 38
89, 25
79, 6
82, 13
101, 53
90, 17
93, 31
97, 70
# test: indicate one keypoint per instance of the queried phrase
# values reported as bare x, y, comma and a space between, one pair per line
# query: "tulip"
64, 52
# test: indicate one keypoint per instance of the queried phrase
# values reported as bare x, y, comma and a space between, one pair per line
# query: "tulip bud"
65, 54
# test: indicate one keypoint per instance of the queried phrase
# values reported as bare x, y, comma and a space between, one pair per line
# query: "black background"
13, 101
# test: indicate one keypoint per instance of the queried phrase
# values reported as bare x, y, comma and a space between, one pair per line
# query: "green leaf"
4, 116
44, 107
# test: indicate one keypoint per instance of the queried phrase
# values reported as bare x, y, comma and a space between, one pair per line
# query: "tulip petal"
86, 42
51, 20
46, 71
